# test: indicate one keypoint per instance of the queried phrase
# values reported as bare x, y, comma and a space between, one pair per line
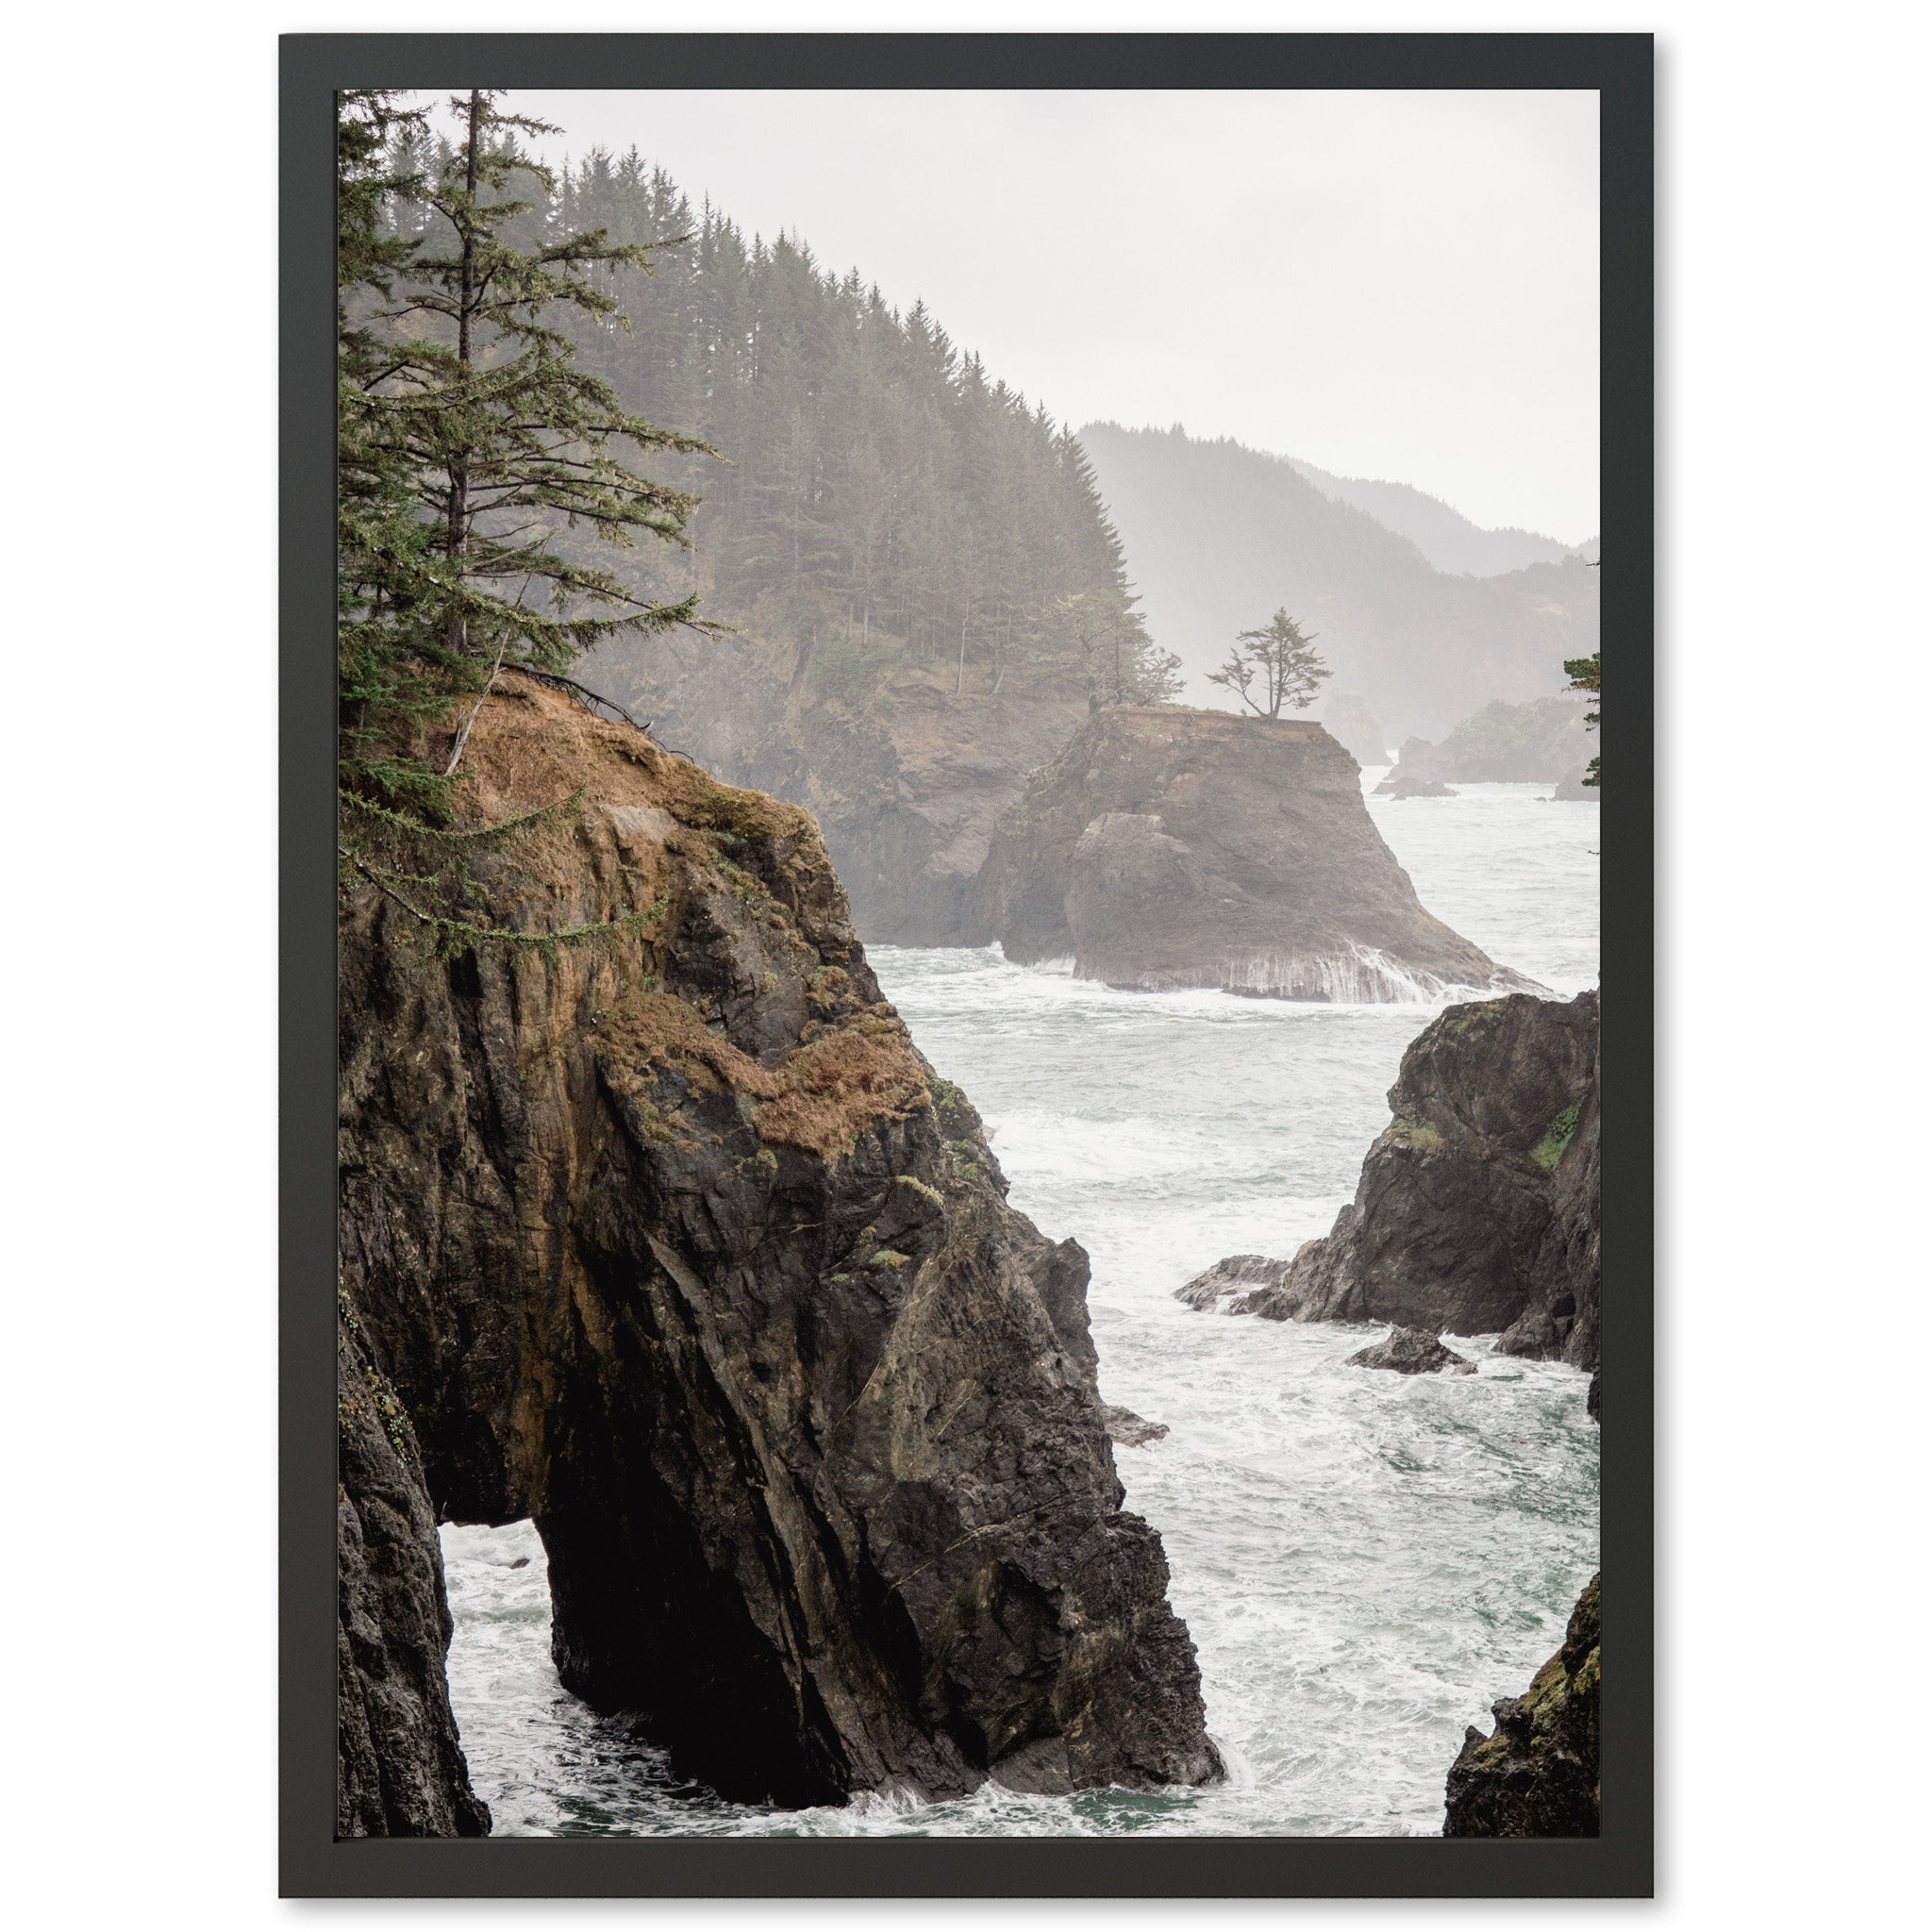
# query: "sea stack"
1477, 1206
1167, 848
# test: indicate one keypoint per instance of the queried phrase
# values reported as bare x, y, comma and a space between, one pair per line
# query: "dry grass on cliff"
821, 1096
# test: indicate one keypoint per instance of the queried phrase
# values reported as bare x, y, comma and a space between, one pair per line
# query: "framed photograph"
949, 866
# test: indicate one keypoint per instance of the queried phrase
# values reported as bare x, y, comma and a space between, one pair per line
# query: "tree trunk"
455, 539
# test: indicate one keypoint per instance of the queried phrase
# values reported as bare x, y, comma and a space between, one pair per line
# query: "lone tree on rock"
1279, 658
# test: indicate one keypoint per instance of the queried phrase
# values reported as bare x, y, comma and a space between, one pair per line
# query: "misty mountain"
1216, 536
1447, 537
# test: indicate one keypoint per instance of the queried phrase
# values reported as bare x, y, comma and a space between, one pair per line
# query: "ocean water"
1365, 1560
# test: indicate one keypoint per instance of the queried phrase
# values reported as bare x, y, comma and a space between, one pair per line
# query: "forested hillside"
1447, 537
1219, 535
879, 504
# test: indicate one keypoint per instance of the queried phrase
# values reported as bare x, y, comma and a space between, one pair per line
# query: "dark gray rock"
1229, 1279
1537, 1775
676, 1244
401, 1772
1167, 848
1479, 1204
1127, 1428
1413, 1352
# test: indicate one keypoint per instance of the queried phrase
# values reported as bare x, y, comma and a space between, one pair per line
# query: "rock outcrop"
1230, 1282
1132, 1431
1478, 1202
1537, 1775
665, 1236
905, 785
1574, 790
1411, 1352
1167, 848
1544, 739
400, 1769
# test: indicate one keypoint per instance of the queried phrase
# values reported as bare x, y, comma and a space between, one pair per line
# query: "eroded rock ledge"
1167, 848
675, 1243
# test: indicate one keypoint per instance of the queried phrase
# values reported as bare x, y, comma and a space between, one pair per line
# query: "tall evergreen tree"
464, 405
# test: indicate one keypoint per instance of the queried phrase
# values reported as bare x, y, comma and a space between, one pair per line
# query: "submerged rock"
1168, 848
1537, 1775
1231, 1280
1478, 1205
1127, 1428
1411, 1352
672, 1241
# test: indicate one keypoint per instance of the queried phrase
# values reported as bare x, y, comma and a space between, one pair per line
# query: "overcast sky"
1392, 285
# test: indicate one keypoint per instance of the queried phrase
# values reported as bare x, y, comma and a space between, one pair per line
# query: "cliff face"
1479, 1204
400, 1770
1537, 1775
1170, 848
905, 789
1544, 739
673, 1242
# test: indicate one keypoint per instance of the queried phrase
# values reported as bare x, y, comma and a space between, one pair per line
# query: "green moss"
1418, 1135
889, 1257
1557, 1137
921, 1189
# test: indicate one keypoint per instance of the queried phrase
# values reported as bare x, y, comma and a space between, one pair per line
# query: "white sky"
1394, 285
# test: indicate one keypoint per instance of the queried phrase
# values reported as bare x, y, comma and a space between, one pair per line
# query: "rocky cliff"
665, 1236
1167, 847
1537, 1775
1545, 740
1478, 1202
905, 782
1477, 1206
400, 1769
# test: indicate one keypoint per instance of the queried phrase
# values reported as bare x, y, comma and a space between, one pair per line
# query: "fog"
1389, 285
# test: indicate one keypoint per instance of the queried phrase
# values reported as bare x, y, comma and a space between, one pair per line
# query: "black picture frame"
1619, 1863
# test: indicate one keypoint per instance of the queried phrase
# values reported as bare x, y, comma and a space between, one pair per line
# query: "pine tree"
1586, 673
485, 452
1278, 656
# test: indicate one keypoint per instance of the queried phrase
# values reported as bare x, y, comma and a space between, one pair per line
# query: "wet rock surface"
400, 1766
1132, 1431
1411, 1352
1231, 1281
1536, 1773
672, 1241
1477, 1206
1168, 848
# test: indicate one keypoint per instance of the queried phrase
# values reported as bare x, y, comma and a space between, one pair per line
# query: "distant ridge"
1216, 536
1447, 537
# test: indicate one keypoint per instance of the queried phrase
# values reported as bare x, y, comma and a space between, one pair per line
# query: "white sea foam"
1364, 1560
